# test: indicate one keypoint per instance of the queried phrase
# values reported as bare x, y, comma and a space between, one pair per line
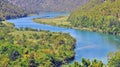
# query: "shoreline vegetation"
113, 61
105, 20
32, 48
62, 21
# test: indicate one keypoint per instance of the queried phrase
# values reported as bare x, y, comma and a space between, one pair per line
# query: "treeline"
113, 61
26, 47
98, 15
8, 10
88, 63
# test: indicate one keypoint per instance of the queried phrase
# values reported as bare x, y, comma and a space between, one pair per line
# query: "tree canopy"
98, 15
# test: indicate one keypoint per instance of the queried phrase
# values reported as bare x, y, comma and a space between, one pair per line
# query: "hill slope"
98, 15
8, 10
48, 5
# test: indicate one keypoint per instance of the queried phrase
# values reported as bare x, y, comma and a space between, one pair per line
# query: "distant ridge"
48, 5
8, 10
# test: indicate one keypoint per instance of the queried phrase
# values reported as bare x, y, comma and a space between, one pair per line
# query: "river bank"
61, 21
86, 42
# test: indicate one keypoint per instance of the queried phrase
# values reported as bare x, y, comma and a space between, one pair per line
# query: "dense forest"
48, 5
98, 15
26, 47
8, 10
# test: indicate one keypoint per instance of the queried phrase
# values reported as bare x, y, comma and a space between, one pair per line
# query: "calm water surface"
89, 44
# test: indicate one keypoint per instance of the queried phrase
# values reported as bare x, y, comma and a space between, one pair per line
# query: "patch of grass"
57, 21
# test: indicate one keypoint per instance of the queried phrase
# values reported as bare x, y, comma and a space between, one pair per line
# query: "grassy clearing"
57, 21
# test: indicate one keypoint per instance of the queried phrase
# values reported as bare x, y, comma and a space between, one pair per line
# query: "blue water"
89, 45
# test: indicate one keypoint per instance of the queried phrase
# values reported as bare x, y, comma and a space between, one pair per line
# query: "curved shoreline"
82, 37
66, 24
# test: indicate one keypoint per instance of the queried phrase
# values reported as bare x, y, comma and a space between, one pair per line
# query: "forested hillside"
48, 5
98, 15
8, 10
34, 48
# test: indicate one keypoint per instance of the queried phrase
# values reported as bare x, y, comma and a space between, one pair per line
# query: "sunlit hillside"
8, 10
101, 16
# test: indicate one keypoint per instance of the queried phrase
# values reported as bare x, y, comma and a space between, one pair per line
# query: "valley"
59, 33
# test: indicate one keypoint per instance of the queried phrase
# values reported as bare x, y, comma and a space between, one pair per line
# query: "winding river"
89, 44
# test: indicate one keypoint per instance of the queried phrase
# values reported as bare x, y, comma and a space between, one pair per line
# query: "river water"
89, 44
